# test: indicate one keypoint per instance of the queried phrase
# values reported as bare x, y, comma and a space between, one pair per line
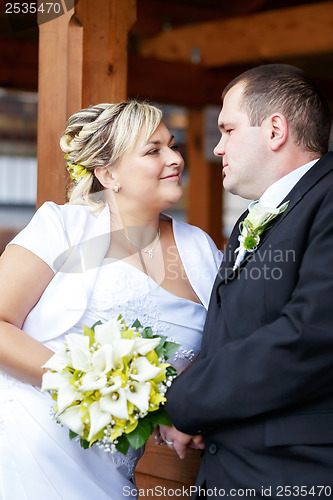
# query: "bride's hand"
179, 441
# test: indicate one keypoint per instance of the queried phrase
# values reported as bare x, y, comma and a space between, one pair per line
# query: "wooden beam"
259, 37
177, 83
155, 16
18, 62
204, 206
82, 61
159, 81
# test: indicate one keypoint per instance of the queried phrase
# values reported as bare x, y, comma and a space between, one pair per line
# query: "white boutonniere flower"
251, 228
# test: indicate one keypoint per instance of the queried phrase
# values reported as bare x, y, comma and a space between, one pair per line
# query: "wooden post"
52, 108
82, 61
205, 181
106, 25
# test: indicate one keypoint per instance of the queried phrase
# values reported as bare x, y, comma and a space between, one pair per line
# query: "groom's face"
243, 148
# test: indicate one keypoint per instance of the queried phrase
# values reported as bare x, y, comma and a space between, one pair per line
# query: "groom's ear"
278, 129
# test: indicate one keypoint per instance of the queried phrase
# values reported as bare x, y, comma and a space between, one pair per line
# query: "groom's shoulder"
317, 185
320, 174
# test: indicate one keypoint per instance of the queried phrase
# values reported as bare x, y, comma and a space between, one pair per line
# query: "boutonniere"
251, 228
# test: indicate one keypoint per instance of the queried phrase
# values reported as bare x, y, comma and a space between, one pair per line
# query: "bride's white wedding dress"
37, 458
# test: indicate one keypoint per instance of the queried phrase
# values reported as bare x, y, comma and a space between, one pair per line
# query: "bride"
110, 250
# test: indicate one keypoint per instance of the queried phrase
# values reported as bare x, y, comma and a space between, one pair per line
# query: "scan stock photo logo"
28, 14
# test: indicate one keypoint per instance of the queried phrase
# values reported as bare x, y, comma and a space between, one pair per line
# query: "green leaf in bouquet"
171, 371
160, 348
84, 443
95, 324
123, 444
137, 324
147, 333
159, 417
140, 435
166, 348
72, 434
170, 349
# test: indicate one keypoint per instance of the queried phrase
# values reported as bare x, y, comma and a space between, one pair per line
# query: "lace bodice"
123, 289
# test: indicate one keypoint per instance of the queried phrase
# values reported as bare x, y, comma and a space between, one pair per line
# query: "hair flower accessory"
76, 171
253, 226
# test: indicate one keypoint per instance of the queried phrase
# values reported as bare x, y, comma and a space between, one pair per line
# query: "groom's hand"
179, 441
196, 443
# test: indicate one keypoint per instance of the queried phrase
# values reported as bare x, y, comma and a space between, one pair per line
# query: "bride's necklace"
150, 252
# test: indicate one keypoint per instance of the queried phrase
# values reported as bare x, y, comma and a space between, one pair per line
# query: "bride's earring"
116, 188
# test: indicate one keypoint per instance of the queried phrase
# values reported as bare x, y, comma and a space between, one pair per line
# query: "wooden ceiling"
185, 51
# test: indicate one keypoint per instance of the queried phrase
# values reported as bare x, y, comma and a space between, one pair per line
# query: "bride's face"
150, 174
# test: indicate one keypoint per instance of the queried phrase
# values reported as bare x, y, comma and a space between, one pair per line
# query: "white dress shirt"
277, 192
272, 198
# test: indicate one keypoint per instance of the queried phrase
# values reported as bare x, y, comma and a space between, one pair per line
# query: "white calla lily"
101, 364
142, 370
92, 381
67, 394
108, 333
102, 359
113, 384
258, 214
138, 394
143, 346
72, 418
123, 347
78, 346
98, 419
116, 404
52, 381
59, 360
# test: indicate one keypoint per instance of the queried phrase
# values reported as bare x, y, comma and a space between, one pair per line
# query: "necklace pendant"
150, 253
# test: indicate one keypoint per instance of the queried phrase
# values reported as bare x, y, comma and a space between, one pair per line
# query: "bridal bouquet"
110, 383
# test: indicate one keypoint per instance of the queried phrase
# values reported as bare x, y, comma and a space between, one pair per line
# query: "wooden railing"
162, 474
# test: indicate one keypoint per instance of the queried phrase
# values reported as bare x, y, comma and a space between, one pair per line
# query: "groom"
261, 393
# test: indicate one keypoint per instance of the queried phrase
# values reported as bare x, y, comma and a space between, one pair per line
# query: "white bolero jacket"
73, 241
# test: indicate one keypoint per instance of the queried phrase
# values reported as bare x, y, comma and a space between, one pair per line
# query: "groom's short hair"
288, 90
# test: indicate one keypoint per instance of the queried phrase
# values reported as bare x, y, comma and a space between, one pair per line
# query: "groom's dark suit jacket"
262, 391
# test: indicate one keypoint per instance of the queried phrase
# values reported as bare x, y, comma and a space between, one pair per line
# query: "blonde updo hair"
98, 136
